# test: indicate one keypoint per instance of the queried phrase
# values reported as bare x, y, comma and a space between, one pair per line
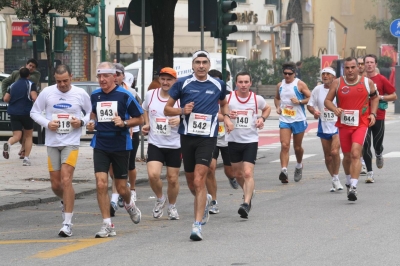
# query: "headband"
196, 54
328, 70
290, 68
106, 71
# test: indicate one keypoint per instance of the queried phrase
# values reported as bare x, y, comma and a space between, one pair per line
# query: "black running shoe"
244, 210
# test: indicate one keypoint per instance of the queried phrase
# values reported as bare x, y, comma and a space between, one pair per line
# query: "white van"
182, 65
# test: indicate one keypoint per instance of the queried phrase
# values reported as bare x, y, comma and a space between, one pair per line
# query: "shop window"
272, 2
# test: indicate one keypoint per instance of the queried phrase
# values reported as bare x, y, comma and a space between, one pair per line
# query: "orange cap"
169, 71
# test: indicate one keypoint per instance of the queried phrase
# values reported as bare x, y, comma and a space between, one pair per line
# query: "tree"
39, 10
382, 26
163, 25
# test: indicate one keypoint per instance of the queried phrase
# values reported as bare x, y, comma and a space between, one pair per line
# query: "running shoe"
135, 214
234, 184
158, 208
363, 170
6, 150
206, 215
66, 230
120, 202
173, 213
352, 196
379, 161
213, 207
298, 174
370, 177
106, 231
348, 188
337, 185
113, 208
26, 162
196, 235
244, 210
283, 176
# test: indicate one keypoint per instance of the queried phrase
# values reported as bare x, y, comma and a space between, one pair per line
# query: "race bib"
221, 129
161, 127
288, 111
106, 111
327, 116
350, 117
199, 124
244, 119
64, 125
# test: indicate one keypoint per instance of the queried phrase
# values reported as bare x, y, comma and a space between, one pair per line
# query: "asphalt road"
294, 224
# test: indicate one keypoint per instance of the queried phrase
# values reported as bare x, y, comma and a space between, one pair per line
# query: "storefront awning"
245, 36
184, 41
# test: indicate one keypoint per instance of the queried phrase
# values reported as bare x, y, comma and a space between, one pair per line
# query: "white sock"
114, 197
354, 182
130, 205
348, 177
362, 161
335, 178
284, 169
107, 221
161, 199
371, 172
171, 206
68, 217
299, 165
26, 158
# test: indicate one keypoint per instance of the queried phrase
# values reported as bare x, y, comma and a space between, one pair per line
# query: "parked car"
5, 125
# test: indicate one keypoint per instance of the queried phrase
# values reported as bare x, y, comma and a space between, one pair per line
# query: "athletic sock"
68, 217
335, 178
299, 165
348, 177
354, 182
107, 221
114, 197
171, 206
130, 205
284, 169
161, 199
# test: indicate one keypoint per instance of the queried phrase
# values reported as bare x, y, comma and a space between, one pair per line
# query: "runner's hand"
188, 108
279, 110
174, 121
53, 125
372, 120
118, 121
90, 125
260, 123
75, 122
317, 114
145, 129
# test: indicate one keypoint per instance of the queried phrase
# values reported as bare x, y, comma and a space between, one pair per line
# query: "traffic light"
60, 34
224, 17
93, 21
39, 37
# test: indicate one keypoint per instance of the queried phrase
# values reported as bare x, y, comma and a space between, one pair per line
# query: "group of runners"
192, 119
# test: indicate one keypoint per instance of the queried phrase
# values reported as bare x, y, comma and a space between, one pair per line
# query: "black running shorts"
197, 150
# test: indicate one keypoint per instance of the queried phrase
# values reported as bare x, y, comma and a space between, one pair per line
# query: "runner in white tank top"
242, 136
164, 144
327, 130
290, 97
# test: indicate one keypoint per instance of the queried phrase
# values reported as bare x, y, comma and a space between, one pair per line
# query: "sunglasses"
360, 64
288, 74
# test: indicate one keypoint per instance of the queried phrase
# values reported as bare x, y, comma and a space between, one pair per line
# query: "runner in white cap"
327, 130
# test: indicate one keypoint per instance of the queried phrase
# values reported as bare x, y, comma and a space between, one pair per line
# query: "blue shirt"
20, 97
109, 137
205, 95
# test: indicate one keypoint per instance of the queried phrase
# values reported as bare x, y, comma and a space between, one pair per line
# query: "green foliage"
383, 26
385, 61
310, 71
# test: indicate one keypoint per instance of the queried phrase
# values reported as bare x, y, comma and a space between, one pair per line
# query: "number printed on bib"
221, 129
328, 116
288, 111
161, 127
350, 117
244, 119
106, 111
64, 125
199, 124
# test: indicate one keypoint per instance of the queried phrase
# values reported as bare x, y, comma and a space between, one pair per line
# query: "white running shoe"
196, 235
379, 161
370, 177
66, 230
173, 213
133, 195
206, 215
337, 185
106, 231
135, 214
363, 170
158, 208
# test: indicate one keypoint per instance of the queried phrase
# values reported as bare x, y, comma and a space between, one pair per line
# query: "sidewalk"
30, 185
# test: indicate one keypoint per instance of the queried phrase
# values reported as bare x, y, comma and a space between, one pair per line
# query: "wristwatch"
373, 114
263, 118
125, 123
82, 123
227, 115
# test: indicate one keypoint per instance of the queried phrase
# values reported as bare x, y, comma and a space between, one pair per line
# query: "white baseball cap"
128, 78
328, 70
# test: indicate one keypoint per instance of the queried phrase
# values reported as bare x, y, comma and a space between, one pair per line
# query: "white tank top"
245, 124
327, 118
161, 134
291, 112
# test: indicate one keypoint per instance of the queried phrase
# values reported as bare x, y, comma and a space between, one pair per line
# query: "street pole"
143, 70
202, 24
223, 52
103, 30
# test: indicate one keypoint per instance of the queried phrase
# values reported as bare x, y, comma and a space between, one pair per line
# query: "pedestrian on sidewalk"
20, 97
63, 104
114, 111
